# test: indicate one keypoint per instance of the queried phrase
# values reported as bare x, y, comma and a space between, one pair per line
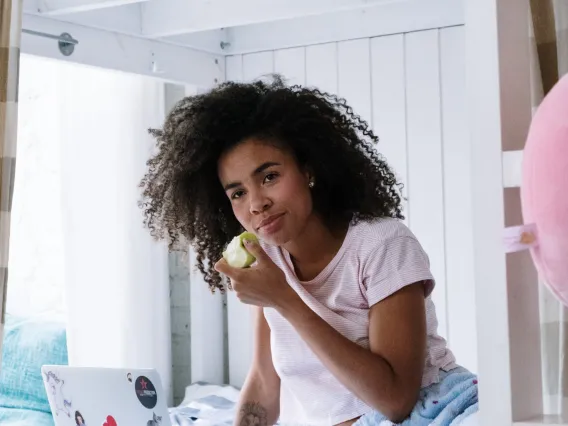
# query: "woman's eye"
270, 177
237, 194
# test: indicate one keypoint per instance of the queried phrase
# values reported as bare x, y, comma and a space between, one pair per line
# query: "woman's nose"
259, 203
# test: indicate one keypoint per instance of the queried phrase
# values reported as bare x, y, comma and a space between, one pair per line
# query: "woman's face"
269, 193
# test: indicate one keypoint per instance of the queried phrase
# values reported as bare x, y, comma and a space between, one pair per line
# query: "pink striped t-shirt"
376, 259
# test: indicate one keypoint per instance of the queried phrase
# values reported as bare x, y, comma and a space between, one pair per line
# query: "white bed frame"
188, 42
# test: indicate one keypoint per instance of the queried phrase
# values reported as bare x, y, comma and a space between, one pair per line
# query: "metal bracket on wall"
65, 41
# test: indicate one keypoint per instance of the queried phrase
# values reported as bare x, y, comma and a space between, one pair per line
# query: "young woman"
345, 327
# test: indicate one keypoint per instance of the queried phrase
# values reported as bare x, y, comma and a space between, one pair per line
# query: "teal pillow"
19, 417
28, 344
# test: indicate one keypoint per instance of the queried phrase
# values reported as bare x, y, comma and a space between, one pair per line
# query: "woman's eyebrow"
264, 166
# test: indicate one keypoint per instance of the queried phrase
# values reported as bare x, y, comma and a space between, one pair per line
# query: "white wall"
411, 89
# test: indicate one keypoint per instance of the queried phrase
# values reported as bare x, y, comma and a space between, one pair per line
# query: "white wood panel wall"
411, 89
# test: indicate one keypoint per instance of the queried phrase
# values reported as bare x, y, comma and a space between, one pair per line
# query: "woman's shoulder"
391, 258
375, 232
377, 238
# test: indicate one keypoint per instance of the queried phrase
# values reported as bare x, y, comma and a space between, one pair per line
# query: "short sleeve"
396, 263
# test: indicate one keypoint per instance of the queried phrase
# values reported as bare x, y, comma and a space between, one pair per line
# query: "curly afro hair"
183, 201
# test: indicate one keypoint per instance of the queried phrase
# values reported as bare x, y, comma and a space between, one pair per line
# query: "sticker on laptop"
79, 419
146, 392
156, 420
110, 421
55, 385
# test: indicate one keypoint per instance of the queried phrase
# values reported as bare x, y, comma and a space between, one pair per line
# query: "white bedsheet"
206, 405
210, 405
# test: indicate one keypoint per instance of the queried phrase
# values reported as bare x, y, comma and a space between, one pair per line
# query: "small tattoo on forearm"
253, 414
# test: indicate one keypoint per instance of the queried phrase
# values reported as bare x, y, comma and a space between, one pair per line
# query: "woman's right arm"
259, 402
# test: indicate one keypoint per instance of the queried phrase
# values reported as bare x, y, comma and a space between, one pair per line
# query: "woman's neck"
315, 247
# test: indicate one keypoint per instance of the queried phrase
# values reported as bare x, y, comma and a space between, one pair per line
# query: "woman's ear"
310, 178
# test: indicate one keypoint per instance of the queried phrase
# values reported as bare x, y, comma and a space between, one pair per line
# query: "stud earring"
312, 183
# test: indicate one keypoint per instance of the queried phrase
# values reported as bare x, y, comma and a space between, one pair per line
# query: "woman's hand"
263, 284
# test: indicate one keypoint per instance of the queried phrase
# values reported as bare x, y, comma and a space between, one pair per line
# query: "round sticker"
146, 392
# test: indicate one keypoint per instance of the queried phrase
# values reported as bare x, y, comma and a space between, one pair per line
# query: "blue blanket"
446, 403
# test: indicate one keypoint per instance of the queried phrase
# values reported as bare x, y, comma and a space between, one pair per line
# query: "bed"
445, 85
211, 405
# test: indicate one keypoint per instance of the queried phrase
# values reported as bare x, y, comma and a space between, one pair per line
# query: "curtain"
10, 31
549, 51
116, 276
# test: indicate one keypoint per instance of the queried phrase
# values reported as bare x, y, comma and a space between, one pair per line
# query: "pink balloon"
544, 189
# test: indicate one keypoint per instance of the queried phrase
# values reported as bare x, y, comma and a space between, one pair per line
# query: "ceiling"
201, 24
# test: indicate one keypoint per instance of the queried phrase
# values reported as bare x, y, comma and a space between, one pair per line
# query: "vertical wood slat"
389, 105
257, 65
457, 207
321, 67
291, 64
234, 68
425, 172
354, 77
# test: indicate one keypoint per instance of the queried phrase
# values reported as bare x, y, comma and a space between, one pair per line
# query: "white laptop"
105, 396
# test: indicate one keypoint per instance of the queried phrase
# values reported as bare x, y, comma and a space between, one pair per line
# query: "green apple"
236, 254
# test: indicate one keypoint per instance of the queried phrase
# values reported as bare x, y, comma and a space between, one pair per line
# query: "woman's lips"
271, 224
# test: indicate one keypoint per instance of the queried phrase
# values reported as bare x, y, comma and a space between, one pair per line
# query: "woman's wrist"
293, 308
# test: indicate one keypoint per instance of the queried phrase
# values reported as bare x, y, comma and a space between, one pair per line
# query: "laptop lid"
105, 396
